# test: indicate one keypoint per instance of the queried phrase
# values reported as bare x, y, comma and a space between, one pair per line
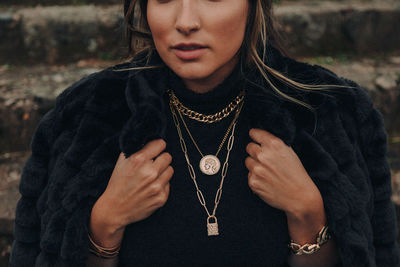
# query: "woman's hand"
138, 186
278, 177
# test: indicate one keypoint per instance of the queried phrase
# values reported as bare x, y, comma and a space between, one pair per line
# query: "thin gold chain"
202, 117
192, 173
194, 142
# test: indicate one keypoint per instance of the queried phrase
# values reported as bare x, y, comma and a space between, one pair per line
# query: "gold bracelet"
322, 238
105, 253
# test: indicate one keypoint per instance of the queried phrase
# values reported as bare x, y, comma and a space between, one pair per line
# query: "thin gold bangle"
103, 252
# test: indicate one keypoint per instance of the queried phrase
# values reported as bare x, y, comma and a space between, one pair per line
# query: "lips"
189, 51
188, 47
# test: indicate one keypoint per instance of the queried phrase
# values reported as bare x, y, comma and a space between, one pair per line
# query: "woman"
125, 169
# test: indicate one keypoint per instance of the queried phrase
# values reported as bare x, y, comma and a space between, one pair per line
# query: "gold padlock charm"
212, 228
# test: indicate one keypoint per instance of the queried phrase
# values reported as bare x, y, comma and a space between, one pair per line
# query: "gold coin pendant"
210, 165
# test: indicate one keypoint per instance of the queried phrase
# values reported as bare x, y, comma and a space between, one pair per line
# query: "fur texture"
76, 145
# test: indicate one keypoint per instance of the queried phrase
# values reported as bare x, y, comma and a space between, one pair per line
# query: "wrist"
305, 222
308, 204
104, 228
106, 212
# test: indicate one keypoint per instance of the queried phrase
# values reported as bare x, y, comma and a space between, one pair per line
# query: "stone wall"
330, 28
57, 34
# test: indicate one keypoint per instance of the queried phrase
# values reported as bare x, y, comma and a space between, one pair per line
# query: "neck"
206, 84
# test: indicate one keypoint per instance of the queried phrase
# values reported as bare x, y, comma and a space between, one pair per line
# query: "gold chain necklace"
209, 164
212, 228
206, 118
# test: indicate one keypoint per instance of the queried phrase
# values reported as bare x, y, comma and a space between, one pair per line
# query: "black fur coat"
76, 145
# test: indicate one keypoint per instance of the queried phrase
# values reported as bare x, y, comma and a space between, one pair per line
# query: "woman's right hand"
138, 186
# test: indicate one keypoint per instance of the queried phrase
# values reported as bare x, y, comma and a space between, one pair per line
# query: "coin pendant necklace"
212, 227
209, 164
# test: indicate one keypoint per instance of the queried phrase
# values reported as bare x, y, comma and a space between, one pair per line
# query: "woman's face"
198, 39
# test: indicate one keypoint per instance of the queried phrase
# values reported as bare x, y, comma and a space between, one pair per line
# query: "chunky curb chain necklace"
212, 227
202, 117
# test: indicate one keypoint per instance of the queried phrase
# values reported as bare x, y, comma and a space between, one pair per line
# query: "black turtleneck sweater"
251, 233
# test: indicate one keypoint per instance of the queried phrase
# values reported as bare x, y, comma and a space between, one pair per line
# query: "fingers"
162, 162
250, 163
254, 150
166, 176
255, 167
262, 137
161, 184
153, 149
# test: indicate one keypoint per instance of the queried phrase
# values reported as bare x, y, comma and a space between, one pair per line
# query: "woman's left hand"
278, 177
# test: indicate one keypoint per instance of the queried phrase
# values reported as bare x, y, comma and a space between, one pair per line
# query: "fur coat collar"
342, 146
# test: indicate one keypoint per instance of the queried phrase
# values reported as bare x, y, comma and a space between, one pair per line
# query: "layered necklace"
209, 164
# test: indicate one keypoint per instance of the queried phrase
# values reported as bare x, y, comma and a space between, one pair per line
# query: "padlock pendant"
212, 228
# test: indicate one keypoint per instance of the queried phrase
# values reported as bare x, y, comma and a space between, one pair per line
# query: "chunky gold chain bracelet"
322, 238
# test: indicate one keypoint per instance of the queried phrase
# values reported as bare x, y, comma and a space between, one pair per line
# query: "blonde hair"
260, 32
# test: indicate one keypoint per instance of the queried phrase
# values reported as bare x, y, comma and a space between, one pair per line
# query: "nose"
187, 20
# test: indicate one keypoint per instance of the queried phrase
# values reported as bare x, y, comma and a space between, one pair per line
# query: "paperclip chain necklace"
209, 164
212, 228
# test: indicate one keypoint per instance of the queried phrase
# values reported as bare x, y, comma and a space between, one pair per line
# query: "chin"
192, 71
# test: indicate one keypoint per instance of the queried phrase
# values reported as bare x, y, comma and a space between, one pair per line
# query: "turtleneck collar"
211, 101
146, 98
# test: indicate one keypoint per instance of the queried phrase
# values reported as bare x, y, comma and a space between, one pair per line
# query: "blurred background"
46, 45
